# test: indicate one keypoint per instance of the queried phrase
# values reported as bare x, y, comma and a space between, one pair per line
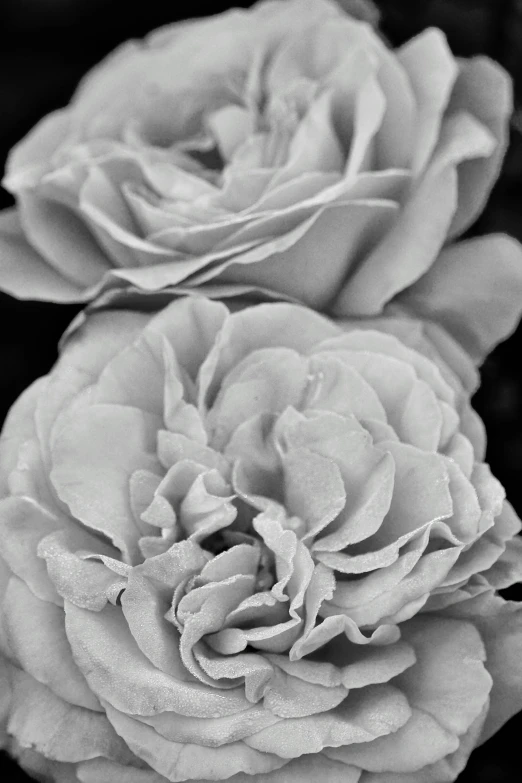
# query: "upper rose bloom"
253, 546
285, 147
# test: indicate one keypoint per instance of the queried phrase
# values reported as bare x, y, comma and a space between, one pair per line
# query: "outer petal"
182, 761
63, 239
316, 767
374, 712
478, 316
311, 767
118, 671
483, 89
59, 731
5, 699
292, 263
37, 147
409, 249
432, 70
22, 526
24, 272
41, 768
36, 634
444, 771
18, 427
447, 691
500, 625
260, 327
94, 342
102, 770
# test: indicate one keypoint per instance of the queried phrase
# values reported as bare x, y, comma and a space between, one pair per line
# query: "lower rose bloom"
255, 545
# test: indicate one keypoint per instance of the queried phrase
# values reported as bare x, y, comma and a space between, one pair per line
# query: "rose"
142, 642
297, 132
284, 147
257, 546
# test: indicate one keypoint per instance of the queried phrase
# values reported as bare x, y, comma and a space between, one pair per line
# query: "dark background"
47, 45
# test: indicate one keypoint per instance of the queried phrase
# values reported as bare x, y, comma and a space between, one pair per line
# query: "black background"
47, 45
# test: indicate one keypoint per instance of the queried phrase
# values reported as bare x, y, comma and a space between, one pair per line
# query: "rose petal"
18, 427
478, 321
314, 146
43, 721
313, 489
369, 111
352, 593
499, 624
117, 671
211, 732
337, 387
144, 609
190, 325
37, 147
392, 606
91, 468
377, 711
432, 71
351, 665
25, 274
62, 239
365, 510
295, 771
135, 376
454, 695
394, 140
421, 493
23, 525
444, 771
83, 581
36, 634
183, 761
442, 703
483, 89
86, 350
290, 697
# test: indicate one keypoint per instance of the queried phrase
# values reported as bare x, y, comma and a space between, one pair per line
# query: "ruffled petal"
36, 634
94, 453
41, 720
101, 770
443, 707
378, 711
444, 771
23, 525
118, 672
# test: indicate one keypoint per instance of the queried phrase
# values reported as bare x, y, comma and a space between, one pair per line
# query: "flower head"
285, 147
242, 545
